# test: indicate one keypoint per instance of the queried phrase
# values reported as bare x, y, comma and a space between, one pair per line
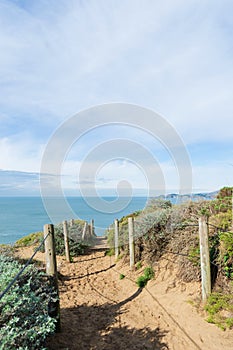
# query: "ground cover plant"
25, 322
220, 310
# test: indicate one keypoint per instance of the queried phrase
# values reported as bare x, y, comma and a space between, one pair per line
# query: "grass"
110, 252
29, 240
138, 265
220, 309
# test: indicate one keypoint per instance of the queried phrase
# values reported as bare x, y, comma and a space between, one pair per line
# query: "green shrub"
122, 276
157, 204
148, 275
194, 256
76, 246
24, 319
141, 281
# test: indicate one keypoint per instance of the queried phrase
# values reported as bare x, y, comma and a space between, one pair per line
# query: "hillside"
103, 304
101, 311
175, 198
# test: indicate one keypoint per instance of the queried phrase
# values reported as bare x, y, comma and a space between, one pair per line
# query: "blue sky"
58, 58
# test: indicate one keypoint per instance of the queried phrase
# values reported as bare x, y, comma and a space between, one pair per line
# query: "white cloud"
20, 153
60, 57
162, 55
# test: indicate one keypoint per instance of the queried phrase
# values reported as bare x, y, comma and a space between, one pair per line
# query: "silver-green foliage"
24, 320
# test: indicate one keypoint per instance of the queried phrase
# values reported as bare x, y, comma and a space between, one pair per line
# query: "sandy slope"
100, 311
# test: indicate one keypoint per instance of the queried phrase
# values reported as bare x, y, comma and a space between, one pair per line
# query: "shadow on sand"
99, 327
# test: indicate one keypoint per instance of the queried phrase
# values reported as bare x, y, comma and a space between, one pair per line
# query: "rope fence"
48, 242
10, 285
51, 270
88, 232
205, 261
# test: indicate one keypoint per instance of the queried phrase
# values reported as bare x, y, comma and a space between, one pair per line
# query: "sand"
101, 311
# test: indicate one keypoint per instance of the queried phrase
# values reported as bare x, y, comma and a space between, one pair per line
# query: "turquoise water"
20, 216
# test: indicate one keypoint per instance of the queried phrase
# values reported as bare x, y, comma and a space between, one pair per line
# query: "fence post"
85, 228
92, 228
89, 231
51, 270
116, 239
50, 255
205, 258
131, 242
71, 222
66, 241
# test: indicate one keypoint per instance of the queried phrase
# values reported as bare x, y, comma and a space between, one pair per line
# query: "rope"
218, 228
6, 290
163, 308
137, 293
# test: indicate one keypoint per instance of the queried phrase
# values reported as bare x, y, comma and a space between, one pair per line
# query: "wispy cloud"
15, 183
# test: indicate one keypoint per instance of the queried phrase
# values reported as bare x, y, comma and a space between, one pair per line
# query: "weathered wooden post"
66, 241
71, 222
131, 242
50, 255
89, 231
205, 258
85, 228
51, 270
92, 230
116, 239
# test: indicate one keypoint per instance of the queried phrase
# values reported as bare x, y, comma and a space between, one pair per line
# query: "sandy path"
100, 311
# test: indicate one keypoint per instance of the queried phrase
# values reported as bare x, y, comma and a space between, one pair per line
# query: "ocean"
20, 216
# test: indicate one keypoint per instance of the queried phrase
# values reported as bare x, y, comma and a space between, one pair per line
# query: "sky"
59, 58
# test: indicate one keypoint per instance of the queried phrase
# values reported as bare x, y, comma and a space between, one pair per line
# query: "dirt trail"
99, 311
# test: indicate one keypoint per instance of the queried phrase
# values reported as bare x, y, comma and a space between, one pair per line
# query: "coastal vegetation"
162, 228
25, 311
147, 276
24, 319
76, 245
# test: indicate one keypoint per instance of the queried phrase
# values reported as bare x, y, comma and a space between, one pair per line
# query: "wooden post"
92, 228
205, 258
89, 231
71, 222
116, 239
51, 270
50, 255
66, 241
131, 242
85, 228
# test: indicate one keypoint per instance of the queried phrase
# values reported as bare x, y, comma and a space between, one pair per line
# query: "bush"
157, 204
162, 228
148, 275
141, 281
123, 231
24, 319
75, 233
